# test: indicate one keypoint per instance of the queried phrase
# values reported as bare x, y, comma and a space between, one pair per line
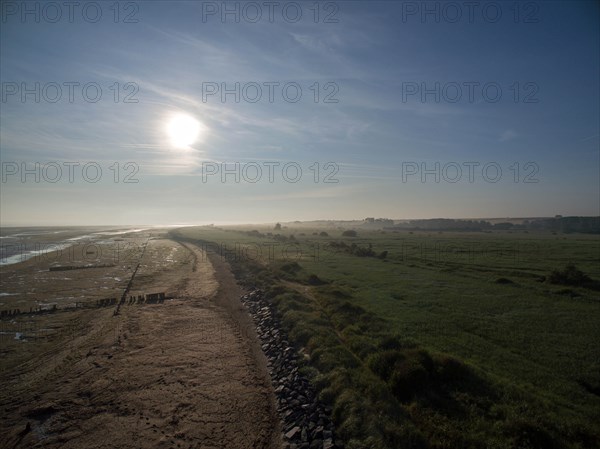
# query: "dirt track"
183, 374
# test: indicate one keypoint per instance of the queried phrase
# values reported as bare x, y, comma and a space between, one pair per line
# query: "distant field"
436, 339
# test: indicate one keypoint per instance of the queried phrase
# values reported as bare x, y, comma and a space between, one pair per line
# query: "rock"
316, 444
306, 422
292, 433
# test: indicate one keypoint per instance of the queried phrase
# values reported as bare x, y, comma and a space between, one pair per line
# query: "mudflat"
186, 372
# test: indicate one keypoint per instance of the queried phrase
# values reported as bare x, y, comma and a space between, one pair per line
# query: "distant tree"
277, 227
323, 234
349, 233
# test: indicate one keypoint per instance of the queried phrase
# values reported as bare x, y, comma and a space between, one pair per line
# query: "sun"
183, 130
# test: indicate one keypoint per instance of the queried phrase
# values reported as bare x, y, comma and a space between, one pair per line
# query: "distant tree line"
371, 221
589, 225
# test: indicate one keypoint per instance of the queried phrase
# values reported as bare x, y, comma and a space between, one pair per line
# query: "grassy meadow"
435, 339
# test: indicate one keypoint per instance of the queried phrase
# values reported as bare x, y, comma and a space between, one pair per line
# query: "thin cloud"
508, 135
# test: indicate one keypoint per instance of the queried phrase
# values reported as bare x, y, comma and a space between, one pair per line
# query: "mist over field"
300, 225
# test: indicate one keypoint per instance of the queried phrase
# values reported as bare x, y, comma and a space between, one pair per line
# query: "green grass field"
436, 339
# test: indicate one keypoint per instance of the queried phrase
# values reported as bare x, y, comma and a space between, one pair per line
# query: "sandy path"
183, 374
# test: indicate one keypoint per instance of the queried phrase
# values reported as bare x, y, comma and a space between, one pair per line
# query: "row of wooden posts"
148, 298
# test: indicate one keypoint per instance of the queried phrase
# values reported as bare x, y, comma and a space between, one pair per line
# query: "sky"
157, 112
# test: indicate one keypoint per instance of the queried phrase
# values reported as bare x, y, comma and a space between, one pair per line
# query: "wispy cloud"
322, 193
508, 135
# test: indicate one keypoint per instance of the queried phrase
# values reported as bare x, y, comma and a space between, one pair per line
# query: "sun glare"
183, 130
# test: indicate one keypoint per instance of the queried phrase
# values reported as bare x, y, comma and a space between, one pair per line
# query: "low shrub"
313, 279
570, 275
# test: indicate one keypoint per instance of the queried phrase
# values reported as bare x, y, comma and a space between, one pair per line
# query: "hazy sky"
388, 89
